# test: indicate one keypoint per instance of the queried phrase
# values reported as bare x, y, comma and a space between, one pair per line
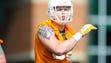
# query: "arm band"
77, 36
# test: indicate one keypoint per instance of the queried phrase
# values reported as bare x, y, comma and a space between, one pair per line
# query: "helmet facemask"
61, 13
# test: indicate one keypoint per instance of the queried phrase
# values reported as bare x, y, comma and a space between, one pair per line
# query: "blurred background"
18, 19
99, 42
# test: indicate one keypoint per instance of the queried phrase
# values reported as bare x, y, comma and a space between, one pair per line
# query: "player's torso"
41, 52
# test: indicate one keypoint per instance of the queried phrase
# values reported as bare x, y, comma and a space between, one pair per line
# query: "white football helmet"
52, 4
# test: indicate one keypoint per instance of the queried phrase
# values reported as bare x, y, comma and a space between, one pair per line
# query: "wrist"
61, 57
77, 36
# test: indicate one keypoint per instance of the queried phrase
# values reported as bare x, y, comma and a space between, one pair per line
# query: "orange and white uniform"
42, 55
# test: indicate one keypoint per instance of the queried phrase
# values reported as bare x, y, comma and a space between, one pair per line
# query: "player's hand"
87, 28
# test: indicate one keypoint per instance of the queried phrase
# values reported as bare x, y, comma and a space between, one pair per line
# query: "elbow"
60, 51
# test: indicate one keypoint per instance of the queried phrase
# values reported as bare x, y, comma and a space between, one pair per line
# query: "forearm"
66, 46
69, 44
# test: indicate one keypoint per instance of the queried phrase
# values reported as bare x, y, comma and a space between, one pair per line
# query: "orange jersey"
42, 55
